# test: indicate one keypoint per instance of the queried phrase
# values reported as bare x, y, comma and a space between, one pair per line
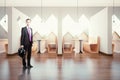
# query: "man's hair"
28, 19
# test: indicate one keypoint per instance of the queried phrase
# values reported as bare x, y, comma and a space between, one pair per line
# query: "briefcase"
21, 52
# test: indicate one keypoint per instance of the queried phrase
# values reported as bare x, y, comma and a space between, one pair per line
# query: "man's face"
28, 22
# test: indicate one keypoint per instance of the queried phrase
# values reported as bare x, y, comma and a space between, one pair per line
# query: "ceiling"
60, 3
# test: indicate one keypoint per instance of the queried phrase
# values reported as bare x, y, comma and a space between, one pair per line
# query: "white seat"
52, 43
67, 43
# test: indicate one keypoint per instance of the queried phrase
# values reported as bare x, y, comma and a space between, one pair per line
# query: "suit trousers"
28, 55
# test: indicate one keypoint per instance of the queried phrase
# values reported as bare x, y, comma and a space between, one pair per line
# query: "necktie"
29, 32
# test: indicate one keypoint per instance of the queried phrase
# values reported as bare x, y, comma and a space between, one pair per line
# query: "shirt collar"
28, 27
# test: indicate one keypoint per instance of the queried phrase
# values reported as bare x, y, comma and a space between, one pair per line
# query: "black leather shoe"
24, 67
30, 66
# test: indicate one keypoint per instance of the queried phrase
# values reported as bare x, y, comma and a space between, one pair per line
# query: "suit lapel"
27, 34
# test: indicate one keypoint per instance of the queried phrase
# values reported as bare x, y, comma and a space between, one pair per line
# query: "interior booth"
66, 29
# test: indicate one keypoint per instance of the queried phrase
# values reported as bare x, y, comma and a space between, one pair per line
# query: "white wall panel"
101, 26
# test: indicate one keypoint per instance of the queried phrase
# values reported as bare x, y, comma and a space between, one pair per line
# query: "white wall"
101, 26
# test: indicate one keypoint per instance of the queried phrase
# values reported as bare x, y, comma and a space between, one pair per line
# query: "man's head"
28, 21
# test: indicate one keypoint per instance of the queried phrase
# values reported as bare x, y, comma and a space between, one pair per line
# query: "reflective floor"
67, 67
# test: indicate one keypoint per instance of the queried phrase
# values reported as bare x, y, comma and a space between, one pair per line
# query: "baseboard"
59, 54
12, 54
105, 53
117, 51
2, 51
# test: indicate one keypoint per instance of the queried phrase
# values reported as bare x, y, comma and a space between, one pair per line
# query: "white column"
16, 30
9, 13
59, 34
13, 30
109, 19
101, 26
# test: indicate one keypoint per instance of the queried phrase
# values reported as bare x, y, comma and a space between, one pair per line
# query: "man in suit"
26, 43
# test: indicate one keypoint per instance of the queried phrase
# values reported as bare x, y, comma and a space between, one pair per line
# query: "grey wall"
74, 12
46, 11
117, 12
3, 33
2, 12
32, 11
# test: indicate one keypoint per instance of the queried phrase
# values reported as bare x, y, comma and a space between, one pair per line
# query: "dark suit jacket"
25, 37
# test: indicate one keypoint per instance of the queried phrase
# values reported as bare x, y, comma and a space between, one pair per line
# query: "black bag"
21, 52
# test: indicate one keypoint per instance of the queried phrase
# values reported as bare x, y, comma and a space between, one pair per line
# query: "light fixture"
113, 10
41, 11
77, 12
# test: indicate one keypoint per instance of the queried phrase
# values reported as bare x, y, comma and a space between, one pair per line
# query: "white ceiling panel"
59, 3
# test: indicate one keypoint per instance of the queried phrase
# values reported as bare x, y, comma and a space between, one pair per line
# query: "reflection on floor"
67, 67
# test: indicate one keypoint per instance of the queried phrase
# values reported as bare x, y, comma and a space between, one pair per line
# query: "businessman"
26, 43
